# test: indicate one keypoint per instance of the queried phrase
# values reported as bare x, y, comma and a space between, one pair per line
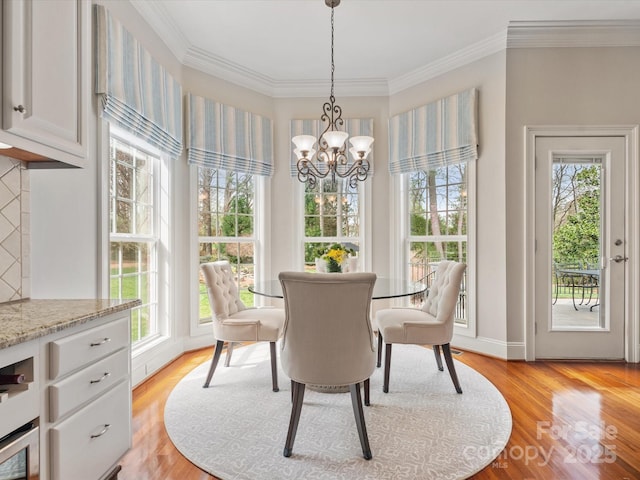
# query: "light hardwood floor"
571, 420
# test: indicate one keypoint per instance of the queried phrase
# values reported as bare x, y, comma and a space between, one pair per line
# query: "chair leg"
274, 366
296, 408
366, 392
358, 411
436, 351
379, 349
214, 362
387, 367
446, 349
227, 360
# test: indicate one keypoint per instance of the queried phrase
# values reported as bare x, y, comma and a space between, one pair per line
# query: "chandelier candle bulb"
335, 139
304, 143
361, 143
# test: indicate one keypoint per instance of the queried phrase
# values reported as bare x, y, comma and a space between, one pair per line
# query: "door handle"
618, 259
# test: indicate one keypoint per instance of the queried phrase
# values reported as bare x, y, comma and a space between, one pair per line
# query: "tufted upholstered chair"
430, 325
328, 339
234, 322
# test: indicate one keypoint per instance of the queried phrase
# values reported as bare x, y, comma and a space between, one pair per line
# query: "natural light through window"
332, 214
226, 228
133, 234
438, 216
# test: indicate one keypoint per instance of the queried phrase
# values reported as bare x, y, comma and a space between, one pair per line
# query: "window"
438, 225
134, 239
332, 214
226, 228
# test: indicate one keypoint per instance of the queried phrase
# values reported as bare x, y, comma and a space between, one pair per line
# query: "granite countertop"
25, 320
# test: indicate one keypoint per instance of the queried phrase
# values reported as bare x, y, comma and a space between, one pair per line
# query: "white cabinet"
88, 394
89, 442
45, 62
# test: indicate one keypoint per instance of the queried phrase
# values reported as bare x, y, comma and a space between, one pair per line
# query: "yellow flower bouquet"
334, 257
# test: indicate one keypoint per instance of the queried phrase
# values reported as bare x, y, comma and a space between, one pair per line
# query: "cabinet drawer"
88, 383
75, 351
75, 454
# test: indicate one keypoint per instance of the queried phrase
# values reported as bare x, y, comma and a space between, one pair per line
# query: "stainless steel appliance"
19, 453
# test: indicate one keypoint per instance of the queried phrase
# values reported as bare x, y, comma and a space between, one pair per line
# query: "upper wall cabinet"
45, 80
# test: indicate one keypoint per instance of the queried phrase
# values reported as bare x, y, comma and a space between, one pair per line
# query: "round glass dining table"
383, 288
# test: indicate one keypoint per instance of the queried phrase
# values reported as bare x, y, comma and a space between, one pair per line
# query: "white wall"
488, 75
557, 86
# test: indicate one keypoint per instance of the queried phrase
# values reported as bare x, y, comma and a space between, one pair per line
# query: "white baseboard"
490, 347
201, 341
146, 363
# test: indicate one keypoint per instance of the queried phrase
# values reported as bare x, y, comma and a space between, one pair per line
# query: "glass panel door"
576, 246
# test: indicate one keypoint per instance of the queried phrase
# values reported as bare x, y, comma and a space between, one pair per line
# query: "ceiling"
280, 46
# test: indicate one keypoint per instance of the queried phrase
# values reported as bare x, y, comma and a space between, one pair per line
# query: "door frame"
630, 133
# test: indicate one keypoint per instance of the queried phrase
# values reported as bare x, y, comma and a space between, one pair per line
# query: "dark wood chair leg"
214, 362
366, 392
446, 349
296, 408
379, 349
436, 351
274, 367
387, 367
227, 360
358, 411
292, 389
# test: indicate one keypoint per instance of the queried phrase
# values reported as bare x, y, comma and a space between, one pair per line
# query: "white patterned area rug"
422, 429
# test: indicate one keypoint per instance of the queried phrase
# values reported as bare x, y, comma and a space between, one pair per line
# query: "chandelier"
331, 157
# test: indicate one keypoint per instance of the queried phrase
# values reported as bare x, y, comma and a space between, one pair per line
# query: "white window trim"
399, 241
164, 213
262, 231
365, 224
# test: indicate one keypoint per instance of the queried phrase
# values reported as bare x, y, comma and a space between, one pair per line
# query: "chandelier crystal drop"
329, 157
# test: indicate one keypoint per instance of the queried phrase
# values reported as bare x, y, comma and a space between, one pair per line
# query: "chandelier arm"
308, 172
359, 168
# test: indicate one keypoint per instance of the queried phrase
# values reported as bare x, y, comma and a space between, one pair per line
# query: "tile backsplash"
14, 230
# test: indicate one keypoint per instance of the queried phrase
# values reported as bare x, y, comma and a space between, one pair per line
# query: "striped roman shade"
225, 137
353, 126
440, 133
137, 93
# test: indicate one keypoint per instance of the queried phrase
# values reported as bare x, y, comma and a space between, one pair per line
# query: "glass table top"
383, 288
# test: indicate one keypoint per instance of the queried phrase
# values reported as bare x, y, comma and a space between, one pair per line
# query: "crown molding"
579, 33
369, 87
162, 23
457, 59
224, 69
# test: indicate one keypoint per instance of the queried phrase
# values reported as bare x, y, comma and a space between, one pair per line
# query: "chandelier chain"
332, 64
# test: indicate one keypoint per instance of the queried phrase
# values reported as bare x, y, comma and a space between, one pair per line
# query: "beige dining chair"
233, 321
328, 340
430, 325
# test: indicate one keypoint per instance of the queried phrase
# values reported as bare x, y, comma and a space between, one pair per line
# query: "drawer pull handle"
106, 374
101, 342
102, 432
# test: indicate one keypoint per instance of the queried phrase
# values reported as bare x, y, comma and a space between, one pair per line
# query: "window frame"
364, 239
262, 264
163, 212
400, 242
